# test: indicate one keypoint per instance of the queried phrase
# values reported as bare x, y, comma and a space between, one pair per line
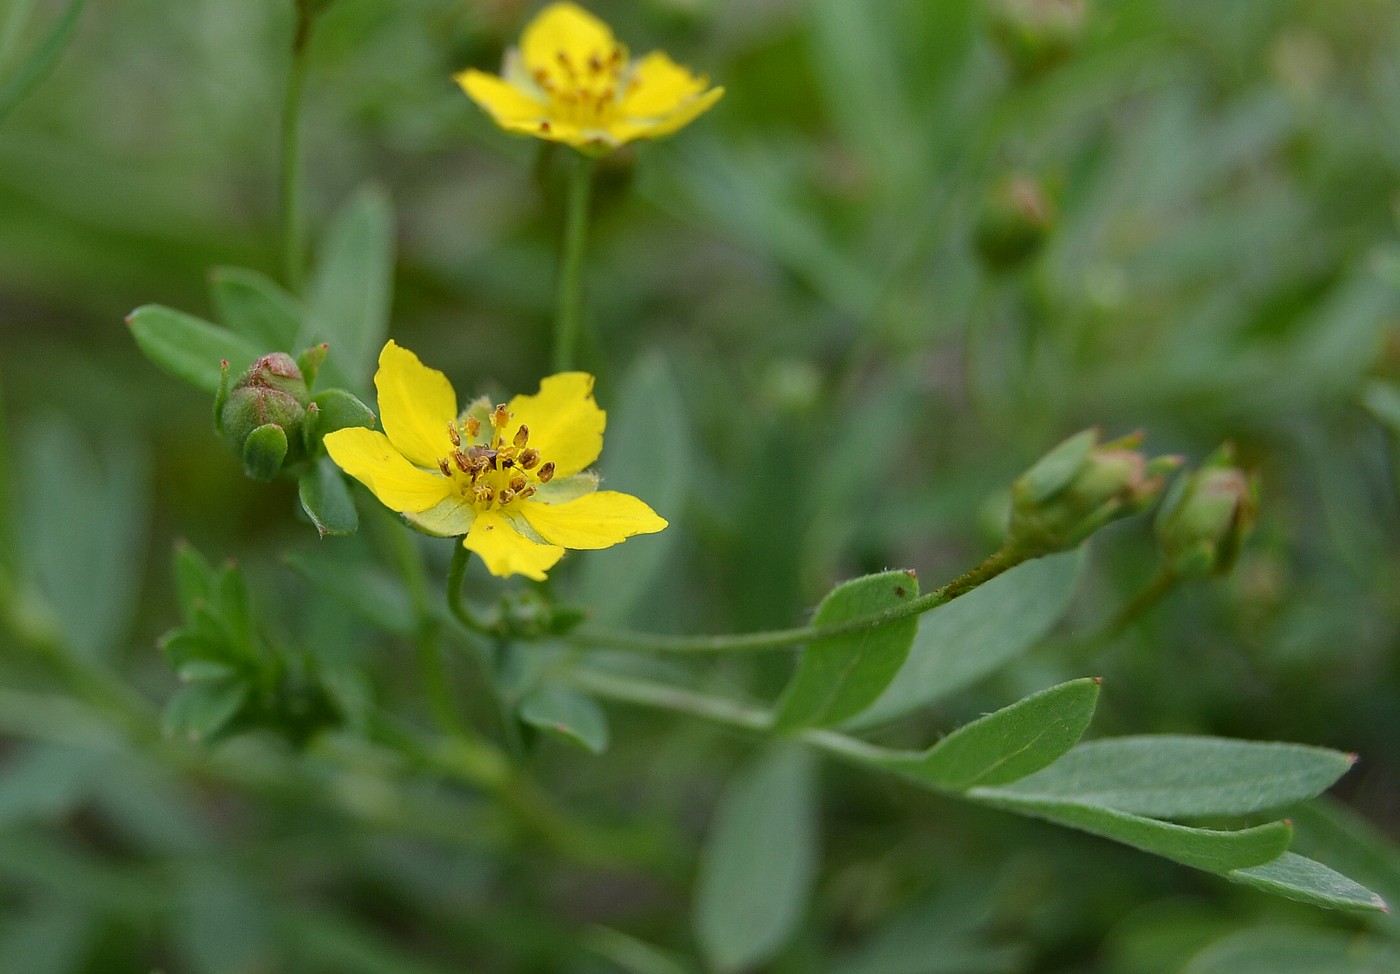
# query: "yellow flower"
509, 478
571, 81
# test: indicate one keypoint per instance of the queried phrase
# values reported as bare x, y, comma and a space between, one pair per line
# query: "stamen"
453, 435
546, 473
444, 466
463, 464
517, 483
484, 493
522, 435
529, 458
500, 417
473, 426
507, 495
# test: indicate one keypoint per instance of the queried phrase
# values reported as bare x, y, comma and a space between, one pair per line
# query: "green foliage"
839, 676
759, 860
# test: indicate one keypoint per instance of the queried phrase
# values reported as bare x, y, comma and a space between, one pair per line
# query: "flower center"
489, 468
584, 93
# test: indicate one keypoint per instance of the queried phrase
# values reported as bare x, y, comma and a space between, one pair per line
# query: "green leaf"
370, 592
194, 577
348, 305
1296, 950
198, 711
52, 936
1167, 776
841, 675
974, 635
1300, 878
1009, 744
647, 454
759, 861
44, 781
189, 348
1208, 849
82, 526
567, 714
253, 306
42, 61
326, 499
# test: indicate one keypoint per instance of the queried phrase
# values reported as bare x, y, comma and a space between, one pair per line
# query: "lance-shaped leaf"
839, 676
1296, 950
255, 307
190, 348
1300, 878
759, 861
1006, 745
568, 715
1168, 776
1208, 849
326, 499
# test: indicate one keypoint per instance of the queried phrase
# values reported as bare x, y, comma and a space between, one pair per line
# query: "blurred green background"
813, 369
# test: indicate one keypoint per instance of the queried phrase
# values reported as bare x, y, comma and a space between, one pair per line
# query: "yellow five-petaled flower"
571, 81
509, 478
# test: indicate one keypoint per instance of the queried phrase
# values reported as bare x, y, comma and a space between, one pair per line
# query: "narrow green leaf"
235, 604
759, 861
326, 499
194, 577
189, 348
198, 711
974, 635
1300, 878
42, 61
1009, 744
356, 584
647, 454
1296, 950
567, 714
1208, 849
839, 676
256, 308
9, 549
1168, 776
44, 782
349, 298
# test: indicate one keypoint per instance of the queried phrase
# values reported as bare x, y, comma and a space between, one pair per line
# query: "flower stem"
569, 313
293, 219
1155, 590
456, 604
997, 563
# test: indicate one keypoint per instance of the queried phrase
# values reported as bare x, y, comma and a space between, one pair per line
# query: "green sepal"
221, 398
332, 410
326, 499
263, 452
309, 362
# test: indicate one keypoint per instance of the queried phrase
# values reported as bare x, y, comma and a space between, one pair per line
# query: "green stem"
569, 313
456, 604
728, 713
1155, 590
778, 638
293, 219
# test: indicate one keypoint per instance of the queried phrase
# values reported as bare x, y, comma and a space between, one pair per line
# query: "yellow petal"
369, 457
568, 29
658, 86
566, 425
598, 520
506, 552
416, 404
631, 128
506, 103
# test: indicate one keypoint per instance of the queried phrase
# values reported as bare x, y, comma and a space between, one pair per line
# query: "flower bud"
1080, 486
264, 408
1207, 516
1015, 221
1035, 36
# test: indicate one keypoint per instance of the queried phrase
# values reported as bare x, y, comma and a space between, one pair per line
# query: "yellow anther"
517, 483
444, 466
484, 493
546, 473
529, 458
463, 464
500, 417
473, 426
507, 495
522, 435
453, 435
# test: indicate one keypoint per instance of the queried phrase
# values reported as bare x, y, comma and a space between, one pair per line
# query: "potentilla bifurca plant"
511, 481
